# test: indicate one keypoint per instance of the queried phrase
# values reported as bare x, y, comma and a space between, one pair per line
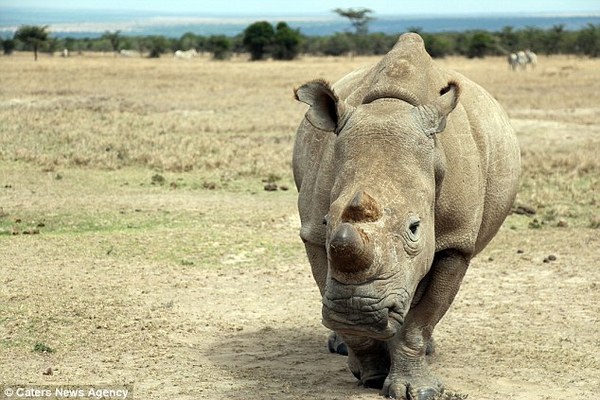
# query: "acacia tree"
359, 18
32, 36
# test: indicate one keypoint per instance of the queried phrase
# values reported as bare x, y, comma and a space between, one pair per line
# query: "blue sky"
307, 7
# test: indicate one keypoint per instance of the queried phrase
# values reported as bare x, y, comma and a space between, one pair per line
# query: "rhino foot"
411, 379
335, 344
418, 386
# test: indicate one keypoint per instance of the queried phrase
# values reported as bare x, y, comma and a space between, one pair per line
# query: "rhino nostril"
350, 249
346, 240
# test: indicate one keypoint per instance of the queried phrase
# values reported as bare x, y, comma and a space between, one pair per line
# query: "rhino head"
380, 234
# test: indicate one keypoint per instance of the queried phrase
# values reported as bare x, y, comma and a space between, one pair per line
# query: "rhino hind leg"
368, 360
430, 348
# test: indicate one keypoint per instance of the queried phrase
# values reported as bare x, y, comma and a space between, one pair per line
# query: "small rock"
490, 258
284, 188
562, 224
523, 209
551, 257
545, 260
519, 251
271, 187
48, 371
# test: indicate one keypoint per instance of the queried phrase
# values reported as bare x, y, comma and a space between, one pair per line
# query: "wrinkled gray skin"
405, 171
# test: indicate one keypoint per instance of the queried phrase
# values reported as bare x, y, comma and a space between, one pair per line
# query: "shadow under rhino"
288, 363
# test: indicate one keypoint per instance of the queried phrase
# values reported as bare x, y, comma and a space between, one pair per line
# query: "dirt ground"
189, 293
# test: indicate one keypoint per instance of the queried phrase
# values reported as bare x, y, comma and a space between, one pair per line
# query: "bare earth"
188, 292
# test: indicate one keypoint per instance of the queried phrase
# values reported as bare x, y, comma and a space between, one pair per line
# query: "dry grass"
232, 118
233, 122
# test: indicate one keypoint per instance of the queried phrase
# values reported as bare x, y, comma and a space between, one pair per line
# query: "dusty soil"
190, 293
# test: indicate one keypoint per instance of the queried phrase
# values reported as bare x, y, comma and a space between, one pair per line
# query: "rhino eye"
413, 230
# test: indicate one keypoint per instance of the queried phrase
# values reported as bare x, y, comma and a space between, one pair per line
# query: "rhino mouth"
353, 310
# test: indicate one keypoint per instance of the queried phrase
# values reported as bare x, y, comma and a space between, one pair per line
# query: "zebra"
522, 60
513, 61
186, 54
531, 58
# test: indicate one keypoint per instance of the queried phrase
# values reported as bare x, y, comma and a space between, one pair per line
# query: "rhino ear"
432, 117
326, 109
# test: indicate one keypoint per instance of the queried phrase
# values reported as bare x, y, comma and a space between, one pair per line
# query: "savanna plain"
139, 247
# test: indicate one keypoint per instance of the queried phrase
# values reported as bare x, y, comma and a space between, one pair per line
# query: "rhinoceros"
405, 171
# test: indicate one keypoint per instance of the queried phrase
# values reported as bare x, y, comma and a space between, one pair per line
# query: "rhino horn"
350, 249
362, 208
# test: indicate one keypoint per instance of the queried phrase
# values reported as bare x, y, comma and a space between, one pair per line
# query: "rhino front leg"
410, 376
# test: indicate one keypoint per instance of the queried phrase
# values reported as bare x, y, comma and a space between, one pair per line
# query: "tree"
509, 39
220, 46
188, 41
437, 46
157, 45
337, 45
113, 38
257, 39
359, 18
8, 46
32, 36
588, 40
286, 42
51, 46
481, 43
